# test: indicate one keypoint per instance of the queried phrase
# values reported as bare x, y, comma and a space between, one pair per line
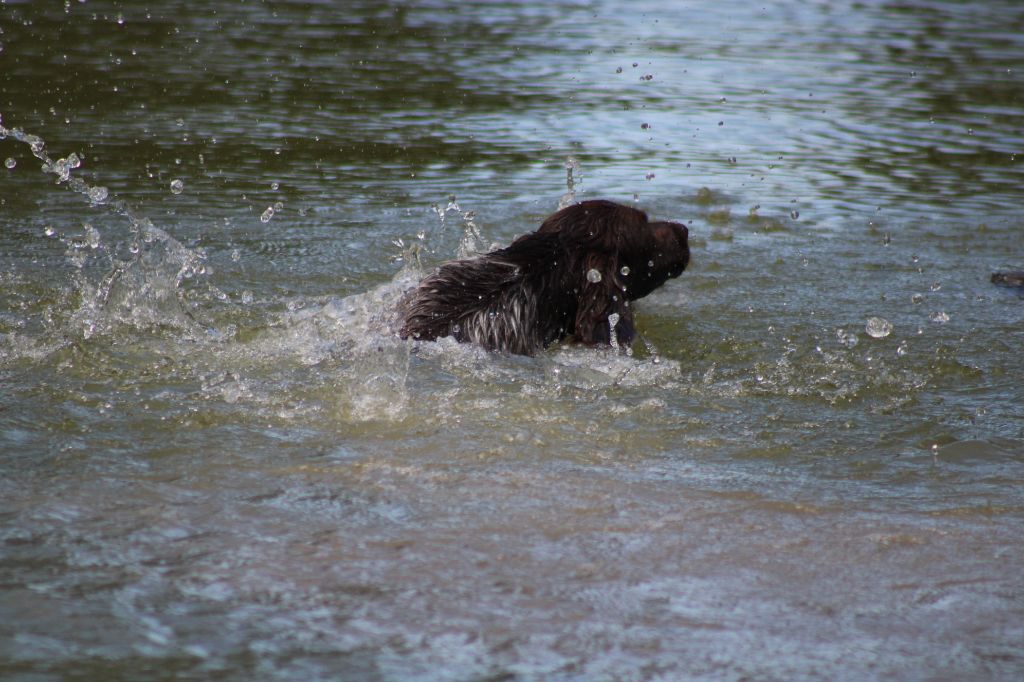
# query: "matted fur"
575, 276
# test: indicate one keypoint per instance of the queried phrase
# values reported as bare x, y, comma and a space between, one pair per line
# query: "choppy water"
217, 461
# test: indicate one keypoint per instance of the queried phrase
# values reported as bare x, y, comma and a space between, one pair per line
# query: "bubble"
49, 231
935, 286
624, 270
917, 298
274, 186
902, 350
794, 214
10, 163
267, 215
177, 186
878, 327
98, 195
593, 276
939, 317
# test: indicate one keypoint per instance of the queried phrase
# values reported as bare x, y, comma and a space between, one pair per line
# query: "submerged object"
1008, 279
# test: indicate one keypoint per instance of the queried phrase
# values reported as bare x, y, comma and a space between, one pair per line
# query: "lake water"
217, 462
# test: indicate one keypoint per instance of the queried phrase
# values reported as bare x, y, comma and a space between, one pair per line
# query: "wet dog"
574, 277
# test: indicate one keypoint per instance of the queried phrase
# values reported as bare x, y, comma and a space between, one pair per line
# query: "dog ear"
597, 231
602, 305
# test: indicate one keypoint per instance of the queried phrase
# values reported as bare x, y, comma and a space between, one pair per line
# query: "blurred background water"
217, 461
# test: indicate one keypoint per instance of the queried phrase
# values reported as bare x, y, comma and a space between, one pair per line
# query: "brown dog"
575, 276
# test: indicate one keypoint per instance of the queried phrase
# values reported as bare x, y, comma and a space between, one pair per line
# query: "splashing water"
142, 288
573, 176
613, 321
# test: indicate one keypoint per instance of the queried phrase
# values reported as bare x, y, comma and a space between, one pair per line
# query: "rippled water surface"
219, 462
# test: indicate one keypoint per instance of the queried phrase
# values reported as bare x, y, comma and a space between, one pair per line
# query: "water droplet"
247, 297
939, 317
917, 298
593, 276
848, 339
98, 195
935, 286
618, 70
73, 161
92, 236
613, 319
236, 255
177, 186
902, 350
274, 186
49, 231
878, 327
10, 163
267, 215
794, 214
624, 270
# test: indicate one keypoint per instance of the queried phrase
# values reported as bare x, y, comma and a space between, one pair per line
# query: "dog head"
615, 255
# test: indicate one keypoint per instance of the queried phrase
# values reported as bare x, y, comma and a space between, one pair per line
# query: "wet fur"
536, 291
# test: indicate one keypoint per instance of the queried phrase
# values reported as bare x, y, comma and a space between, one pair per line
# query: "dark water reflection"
216, 464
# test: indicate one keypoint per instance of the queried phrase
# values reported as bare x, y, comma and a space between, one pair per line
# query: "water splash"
613, 338
573, 176
141, 285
